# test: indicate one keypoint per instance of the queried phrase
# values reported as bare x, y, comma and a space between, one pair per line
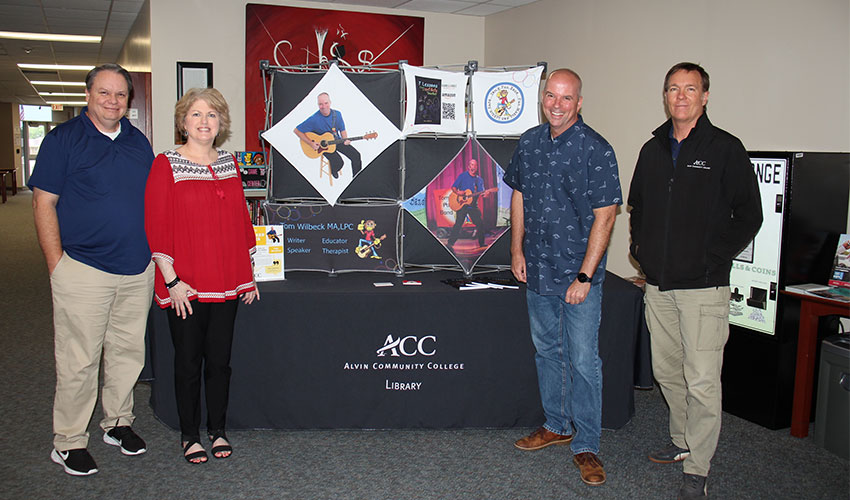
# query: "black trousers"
202, 340
336, 161
460, 217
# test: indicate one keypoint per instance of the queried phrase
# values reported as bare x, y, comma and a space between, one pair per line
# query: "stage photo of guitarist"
328, 121
466, 190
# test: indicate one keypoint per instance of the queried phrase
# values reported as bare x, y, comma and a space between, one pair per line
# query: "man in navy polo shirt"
88, 202
566, 193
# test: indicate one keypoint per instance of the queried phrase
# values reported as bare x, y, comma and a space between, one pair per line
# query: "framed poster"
192, 75
289, 36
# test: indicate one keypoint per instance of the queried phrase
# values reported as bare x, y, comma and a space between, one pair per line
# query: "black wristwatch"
583, 278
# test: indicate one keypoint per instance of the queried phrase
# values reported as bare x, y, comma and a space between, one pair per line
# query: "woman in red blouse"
202, 239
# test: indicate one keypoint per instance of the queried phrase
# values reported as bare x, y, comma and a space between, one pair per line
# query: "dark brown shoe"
590, 467
541, 438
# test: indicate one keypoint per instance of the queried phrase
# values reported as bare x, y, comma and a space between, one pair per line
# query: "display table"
319, 352
811, 308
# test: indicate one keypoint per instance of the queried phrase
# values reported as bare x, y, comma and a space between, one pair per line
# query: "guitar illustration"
460, 200
362, 251
327, 142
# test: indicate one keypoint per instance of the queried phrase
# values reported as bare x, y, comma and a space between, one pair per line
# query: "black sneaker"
76, 462
693, 487
129, 441
669, 455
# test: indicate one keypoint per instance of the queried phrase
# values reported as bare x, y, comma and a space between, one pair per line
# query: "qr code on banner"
449, 110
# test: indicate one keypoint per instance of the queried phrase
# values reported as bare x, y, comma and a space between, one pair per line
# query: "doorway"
33, 134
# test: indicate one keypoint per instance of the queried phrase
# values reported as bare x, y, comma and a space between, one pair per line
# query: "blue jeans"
569, 370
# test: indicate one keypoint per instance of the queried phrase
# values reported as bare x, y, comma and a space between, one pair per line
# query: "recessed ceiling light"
63, 94
53, 82
49, 37
68, 103
69, 67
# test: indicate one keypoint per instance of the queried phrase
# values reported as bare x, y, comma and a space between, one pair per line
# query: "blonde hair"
216, 101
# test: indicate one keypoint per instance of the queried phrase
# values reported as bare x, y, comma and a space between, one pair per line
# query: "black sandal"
222, 448
194, 455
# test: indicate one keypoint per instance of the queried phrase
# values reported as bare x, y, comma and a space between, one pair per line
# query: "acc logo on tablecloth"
504, 102
407, 346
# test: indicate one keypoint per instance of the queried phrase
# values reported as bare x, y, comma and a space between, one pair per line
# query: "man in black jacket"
695, 204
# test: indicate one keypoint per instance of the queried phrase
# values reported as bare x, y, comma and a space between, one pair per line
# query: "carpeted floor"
751, 462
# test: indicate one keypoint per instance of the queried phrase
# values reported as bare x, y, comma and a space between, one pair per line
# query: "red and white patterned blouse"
197, 219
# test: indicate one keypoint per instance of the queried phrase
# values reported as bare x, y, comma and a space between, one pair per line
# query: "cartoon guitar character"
460, 200
363, 250
327, 143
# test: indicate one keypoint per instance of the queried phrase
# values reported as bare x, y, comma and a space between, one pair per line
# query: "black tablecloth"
320, 352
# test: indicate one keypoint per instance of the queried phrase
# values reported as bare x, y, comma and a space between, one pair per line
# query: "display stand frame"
404, 267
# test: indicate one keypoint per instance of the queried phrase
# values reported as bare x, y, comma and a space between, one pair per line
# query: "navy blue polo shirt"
562, 180
101, 188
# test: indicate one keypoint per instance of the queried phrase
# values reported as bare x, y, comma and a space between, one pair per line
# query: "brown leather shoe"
541, 438
590, 467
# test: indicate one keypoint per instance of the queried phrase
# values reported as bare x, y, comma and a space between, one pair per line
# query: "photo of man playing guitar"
328, 123
466, 190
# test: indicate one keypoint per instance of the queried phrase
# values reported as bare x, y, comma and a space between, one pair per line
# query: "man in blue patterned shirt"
566, 192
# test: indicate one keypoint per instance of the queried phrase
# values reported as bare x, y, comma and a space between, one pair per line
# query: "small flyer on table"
268, 259
841, 263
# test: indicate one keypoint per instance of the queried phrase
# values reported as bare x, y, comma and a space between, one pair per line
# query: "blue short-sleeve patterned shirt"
562, 180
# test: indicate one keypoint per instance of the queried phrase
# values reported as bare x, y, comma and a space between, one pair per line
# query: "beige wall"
136, 53
213, 31
780, 69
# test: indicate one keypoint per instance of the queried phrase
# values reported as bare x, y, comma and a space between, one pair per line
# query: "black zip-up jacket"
688, 222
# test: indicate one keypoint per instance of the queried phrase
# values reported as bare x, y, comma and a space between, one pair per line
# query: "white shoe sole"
54, 455
114, 442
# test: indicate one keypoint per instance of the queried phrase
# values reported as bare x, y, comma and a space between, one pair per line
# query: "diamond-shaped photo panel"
467, 206
332, 135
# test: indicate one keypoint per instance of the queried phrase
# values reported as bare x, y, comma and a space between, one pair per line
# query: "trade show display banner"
754, 279
436, 101
289, 36
340, 238
332, 135
505, 103
466, 207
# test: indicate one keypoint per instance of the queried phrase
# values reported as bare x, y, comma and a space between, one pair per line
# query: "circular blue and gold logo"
504, 102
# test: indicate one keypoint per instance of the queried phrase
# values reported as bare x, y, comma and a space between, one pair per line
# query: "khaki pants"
96, 313
688, 329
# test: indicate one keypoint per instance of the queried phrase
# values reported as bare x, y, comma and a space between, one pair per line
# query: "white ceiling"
465, 7
112, 19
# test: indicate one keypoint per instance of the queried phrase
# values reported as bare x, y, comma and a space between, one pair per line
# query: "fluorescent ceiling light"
69, 67
54, 82
68, 103
49, 37
63, 94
